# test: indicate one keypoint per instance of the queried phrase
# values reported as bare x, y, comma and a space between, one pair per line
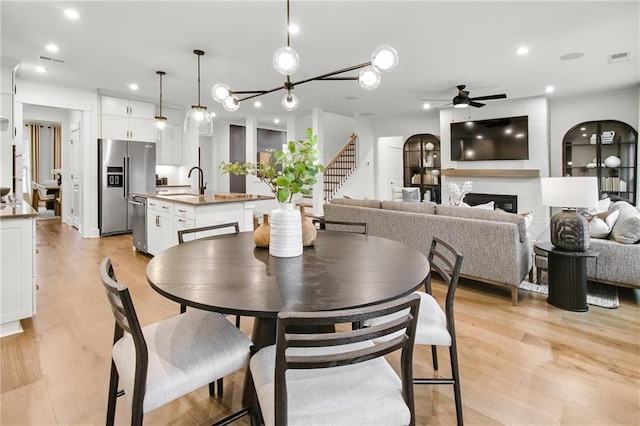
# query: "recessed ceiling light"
257, 104
52, 47
571, 56
426, 105
41, 69
276, 121
294, 29
72, 14
549, 89
133, 86
522, 50
584, 135
479, 136
212, 114
583, 128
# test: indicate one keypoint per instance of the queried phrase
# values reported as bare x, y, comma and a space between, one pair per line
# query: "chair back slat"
342, 226
443, 253
302, 350
122, 307
183, 232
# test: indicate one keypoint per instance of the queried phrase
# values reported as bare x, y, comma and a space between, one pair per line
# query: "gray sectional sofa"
495, 244
618, 262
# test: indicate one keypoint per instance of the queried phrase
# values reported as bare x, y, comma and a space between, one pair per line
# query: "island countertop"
206, 199
17, 211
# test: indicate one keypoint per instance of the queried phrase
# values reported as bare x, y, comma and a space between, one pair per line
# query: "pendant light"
286, 61
198, 118
162, 130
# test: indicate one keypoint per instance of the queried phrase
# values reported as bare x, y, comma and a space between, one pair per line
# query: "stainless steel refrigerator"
126, 167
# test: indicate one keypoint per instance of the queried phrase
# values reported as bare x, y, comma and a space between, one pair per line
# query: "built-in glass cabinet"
606, 149
422, 165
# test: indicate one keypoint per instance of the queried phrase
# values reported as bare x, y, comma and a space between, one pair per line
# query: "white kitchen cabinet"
17, 273
169, 151
126, 119
126, 107
160, 227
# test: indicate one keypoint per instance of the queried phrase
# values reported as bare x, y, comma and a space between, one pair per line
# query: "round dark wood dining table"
230, 275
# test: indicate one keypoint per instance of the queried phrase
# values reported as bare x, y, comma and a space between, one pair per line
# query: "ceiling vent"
46, 58
618, 57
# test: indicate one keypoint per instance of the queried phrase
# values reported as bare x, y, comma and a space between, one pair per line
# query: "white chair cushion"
432, 323
367, 393
185, 352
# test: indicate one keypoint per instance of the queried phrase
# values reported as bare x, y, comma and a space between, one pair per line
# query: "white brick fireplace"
492, 181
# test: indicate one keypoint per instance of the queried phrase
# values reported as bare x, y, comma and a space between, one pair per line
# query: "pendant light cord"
198, 53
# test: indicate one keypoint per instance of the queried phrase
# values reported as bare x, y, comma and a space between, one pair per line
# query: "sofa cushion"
425, 207
626, 230
481, 214
373, 204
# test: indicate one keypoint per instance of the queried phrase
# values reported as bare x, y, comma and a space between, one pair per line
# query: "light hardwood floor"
524, 365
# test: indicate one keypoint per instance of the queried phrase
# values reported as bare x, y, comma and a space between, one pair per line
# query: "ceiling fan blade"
463, 93
490, 97
476, 104
444, 106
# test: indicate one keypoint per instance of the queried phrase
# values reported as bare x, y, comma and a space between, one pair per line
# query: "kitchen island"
17, 265
167, 213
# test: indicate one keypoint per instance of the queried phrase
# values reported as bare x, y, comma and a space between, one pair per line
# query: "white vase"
286, 231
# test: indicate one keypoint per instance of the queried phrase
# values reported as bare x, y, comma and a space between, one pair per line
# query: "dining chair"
339, 377
170, 358
183, 232
343, 226
201, 229
435, 326
49, 199
206, 229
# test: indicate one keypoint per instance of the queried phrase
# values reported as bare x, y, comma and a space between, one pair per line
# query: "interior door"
389, 165
74, 176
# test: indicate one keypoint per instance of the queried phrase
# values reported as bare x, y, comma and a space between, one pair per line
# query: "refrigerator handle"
127, 170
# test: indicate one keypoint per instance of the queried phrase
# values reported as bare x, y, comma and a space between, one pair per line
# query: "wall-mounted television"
494, 139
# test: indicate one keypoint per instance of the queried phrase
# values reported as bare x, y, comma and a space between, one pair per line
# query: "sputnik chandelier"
286, 61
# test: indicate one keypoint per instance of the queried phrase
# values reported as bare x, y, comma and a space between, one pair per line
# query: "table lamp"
569, 230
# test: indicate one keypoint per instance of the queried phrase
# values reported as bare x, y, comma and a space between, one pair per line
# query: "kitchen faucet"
201, 186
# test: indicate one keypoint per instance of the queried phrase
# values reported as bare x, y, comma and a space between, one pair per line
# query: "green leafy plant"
288, 172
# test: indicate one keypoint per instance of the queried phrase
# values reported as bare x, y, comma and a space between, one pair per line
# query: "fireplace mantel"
499, 173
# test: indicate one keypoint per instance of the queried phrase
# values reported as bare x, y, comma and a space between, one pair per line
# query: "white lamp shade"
384, 59
290, 102
286, 60
231, 103
569, 192
220, 92
368, 78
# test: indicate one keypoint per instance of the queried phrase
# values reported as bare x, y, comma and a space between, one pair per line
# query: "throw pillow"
626, 230
601, 224
486, 206
411, 195
528, 219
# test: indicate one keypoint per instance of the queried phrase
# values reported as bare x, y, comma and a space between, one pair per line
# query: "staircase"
336, 174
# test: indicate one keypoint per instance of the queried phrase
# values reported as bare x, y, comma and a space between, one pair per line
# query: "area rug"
598, 294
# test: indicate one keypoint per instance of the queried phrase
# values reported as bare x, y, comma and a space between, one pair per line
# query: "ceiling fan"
462, 99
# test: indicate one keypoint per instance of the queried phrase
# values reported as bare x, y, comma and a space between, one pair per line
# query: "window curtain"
34, 131
57, 147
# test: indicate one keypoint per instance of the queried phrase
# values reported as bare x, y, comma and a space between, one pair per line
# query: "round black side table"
567, 272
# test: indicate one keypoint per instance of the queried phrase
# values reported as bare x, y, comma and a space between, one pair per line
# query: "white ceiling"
440, 44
